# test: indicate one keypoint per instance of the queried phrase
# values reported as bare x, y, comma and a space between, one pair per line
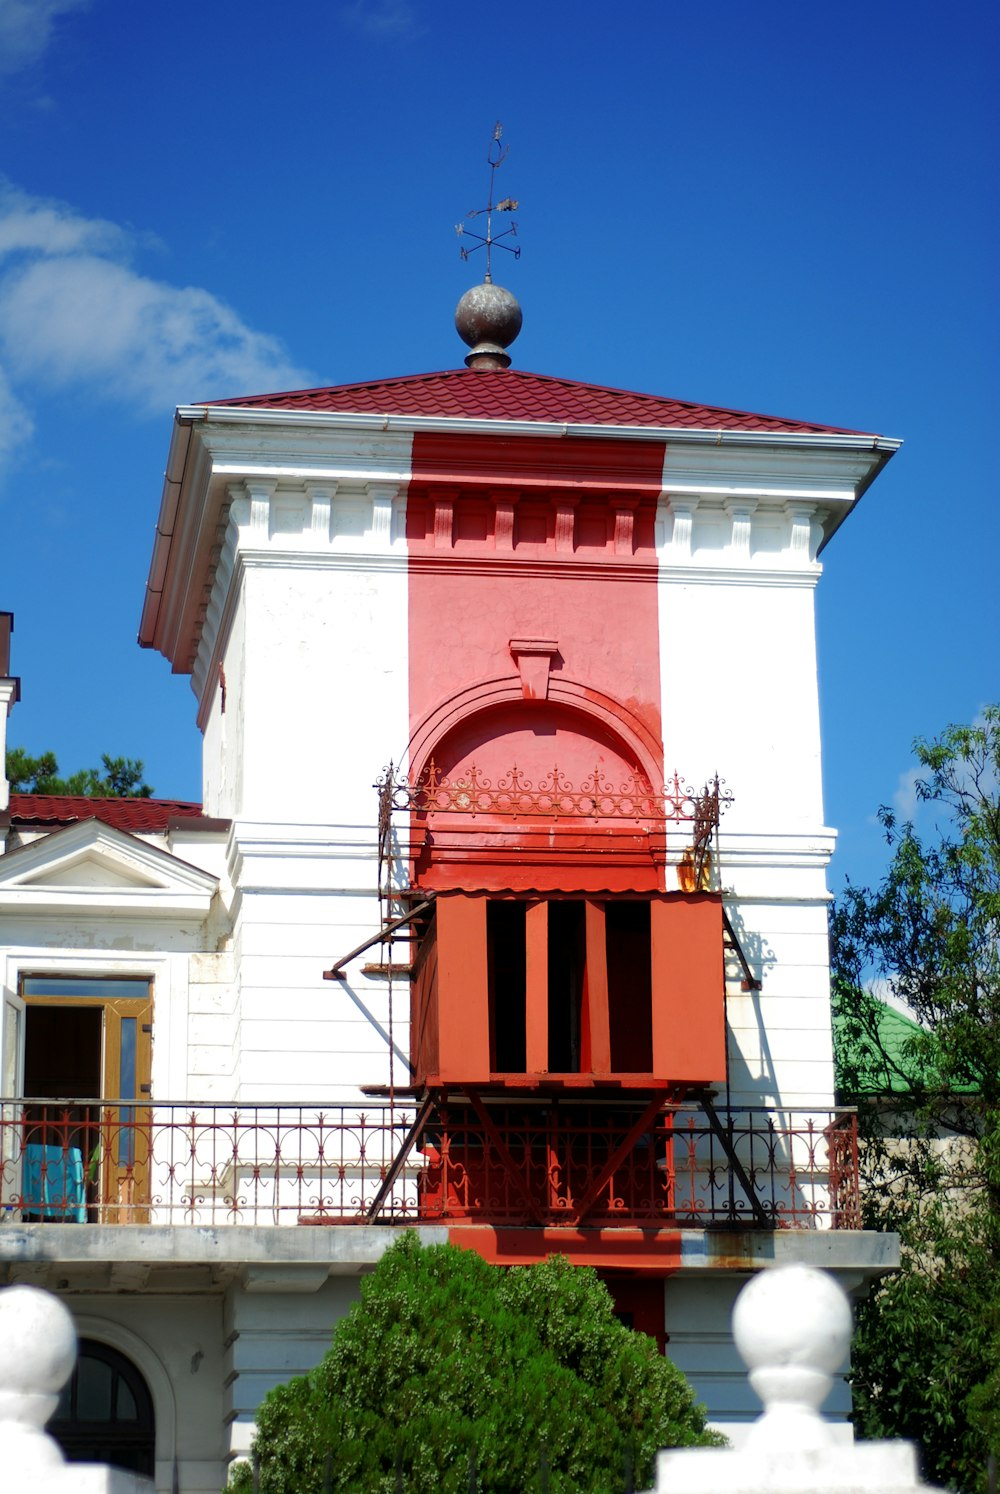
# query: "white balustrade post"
792, 1326
37, 1355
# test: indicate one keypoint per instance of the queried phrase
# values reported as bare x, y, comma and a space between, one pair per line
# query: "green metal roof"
901, 1070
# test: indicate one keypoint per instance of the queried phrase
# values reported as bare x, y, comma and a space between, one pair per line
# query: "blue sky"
784, 207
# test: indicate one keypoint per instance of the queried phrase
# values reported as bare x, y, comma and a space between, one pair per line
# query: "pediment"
92, 865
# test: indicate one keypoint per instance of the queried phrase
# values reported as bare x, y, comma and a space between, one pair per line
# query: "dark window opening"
105, 1412
505, 940
62, 1059
565, 984
630, 986
567, 955
62, 1052
84, 1039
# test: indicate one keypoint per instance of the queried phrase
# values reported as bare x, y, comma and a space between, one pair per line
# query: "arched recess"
581, 812
606, 721
153, 1371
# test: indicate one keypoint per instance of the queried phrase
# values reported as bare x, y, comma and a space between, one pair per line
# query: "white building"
539, 600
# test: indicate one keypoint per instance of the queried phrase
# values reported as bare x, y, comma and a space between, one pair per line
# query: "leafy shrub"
452, 1374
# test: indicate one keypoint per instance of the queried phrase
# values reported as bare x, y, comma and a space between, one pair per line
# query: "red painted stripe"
652, 1252
535, 539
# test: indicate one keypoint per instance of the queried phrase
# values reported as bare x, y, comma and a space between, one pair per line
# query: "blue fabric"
53, 1183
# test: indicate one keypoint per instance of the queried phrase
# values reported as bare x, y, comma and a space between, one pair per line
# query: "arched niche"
582, 727
542, 740
558, 793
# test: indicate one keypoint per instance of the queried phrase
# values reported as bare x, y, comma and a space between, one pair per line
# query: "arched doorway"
105, 1413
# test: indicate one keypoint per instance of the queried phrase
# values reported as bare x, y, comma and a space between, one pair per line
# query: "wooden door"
87, 1062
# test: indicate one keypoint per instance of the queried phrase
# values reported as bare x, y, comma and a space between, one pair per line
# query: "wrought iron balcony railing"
551, 1163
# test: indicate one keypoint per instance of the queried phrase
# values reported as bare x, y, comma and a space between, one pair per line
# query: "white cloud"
16, 425
35, 224
906, 800
75, 314
94, 322
26, 29
387, 18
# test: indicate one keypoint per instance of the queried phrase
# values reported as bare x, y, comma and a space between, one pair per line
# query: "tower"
508, 693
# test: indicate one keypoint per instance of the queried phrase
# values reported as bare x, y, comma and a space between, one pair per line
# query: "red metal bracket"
640, 1127
503, 1152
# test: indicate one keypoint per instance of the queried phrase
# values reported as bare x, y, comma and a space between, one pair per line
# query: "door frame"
116, 1167
12, 1025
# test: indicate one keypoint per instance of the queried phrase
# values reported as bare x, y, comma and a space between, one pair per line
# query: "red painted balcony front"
553, 943
571, 988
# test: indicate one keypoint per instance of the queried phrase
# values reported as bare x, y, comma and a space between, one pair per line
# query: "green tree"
927, 1351
118, 778
451, 1373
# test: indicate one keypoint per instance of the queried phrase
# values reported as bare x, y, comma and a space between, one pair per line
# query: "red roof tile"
133, 815
513, 394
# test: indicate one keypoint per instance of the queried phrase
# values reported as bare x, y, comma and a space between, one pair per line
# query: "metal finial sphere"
488, 318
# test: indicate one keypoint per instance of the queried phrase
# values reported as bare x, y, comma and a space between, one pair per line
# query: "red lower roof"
513, 394
132, 815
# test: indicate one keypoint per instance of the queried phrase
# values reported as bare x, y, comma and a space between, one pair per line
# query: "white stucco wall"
272, 1336
308, 627
740, 697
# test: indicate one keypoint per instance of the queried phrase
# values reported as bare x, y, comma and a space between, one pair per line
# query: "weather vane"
496, 157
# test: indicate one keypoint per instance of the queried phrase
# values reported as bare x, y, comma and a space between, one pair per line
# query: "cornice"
385, 423
96, 903
287, 844
347, 456
694, 574
745, 851
301, 454
610, 568
304, 560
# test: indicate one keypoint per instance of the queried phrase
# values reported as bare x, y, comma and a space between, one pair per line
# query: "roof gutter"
884, 450
173, 482
337, 419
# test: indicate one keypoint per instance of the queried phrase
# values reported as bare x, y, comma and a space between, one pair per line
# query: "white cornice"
215, 447
288, 849
742, 850
304, 560
241, 415
694, 574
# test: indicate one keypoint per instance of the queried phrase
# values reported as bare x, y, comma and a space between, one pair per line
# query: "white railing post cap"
792, 1327
37, 1355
